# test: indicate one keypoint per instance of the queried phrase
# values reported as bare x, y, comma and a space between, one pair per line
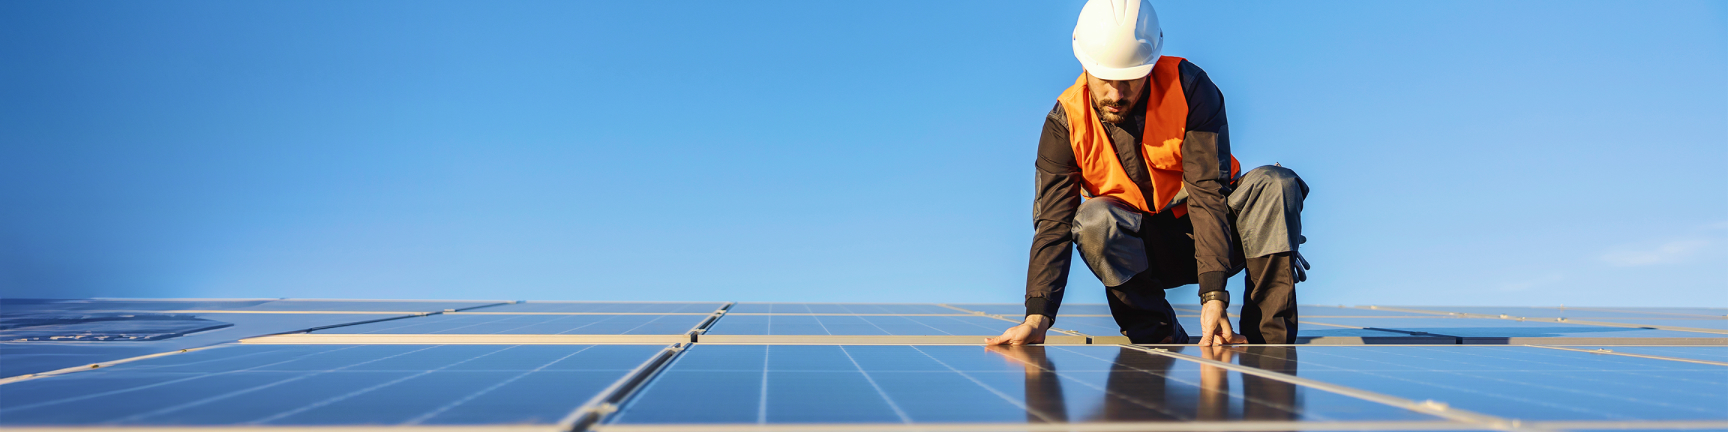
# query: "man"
1143, 139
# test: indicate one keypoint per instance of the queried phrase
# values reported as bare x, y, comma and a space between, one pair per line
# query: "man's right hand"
1029, 332
1215, 326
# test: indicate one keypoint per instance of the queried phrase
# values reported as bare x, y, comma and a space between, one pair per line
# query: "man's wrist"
1041, 306
1220, 296
1039, 322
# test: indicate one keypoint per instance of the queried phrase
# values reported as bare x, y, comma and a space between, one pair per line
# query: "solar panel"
1537, 312
1016, 309
940, 384
1707, 353
1697, 312
606, 307
15, 306
459, 323
1520, 382
858, 325
1504, 328
36, 357
843, 308
256, 385
367, 305
1698, 323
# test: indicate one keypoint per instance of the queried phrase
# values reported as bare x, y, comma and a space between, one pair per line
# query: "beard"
1123, 110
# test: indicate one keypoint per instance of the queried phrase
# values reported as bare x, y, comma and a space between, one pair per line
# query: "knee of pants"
1099, 220
1274, 179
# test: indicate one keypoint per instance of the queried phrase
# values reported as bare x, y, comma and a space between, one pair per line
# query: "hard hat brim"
1110, 73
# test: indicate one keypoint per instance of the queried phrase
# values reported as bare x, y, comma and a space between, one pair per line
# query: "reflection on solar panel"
1521, 382
894, 384
795, 366
331, 385
528, 324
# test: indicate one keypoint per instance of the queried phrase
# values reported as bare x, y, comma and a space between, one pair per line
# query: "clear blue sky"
1464, 153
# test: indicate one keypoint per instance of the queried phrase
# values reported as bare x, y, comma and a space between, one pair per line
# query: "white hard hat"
1118, 39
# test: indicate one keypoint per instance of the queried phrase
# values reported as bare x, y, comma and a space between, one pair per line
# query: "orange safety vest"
1101, 171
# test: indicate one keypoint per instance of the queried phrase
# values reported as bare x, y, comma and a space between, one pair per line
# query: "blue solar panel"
607, 307
1701, 323
1015, 309
529, 324
1707, 353
1504, 328
857, 325
842, 308
1539, 312
940, 384
1106, 326
34, 357
15, 306
329, 385
1520, 382
367, 305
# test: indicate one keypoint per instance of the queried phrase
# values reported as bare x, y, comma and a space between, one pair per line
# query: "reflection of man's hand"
1215, 326
1021, 354
1029, 332
1215, 383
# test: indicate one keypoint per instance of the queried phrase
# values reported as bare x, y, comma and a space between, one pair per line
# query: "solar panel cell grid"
857, 325
606, 307
529, 324
1495, 327
941, 384
1519, 382
1015, 309
1706, 353
842, 308
330, 385
1537, 312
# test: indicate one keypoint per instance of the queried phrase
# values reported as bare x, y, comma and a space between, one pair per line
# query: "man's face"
1113, 99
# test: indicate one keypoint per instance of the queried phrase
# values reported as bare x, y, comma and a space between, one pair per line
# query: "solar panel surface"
18, 358
1539, 312
1494, 327
854, 325
943, 384
606, 307
843, 308
830, 365
261, 385
1015, 309
1528, 383
528, 324
1706, 353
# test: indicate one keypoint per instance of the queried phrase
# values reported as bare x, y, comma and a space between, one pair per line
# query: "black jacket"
1205, 182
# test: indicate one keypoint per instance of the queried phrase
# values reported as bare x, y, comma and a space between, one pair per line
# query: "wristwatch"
1220, 295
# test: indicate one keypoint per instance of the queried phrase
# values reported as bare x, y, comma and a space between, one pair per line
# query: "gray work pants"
1139, 255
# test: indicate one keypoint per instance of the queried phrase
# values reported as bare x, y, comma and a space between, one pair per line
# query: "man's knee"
1273, 179
1102, 219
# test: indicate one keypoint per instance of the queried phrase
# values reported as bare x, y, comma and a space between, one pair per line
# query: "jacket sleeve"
1057, 199
1206, 176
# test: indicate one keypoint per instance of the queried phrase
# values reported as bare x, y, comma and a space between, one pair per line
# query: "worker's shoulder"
1192, 74
1057, 115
